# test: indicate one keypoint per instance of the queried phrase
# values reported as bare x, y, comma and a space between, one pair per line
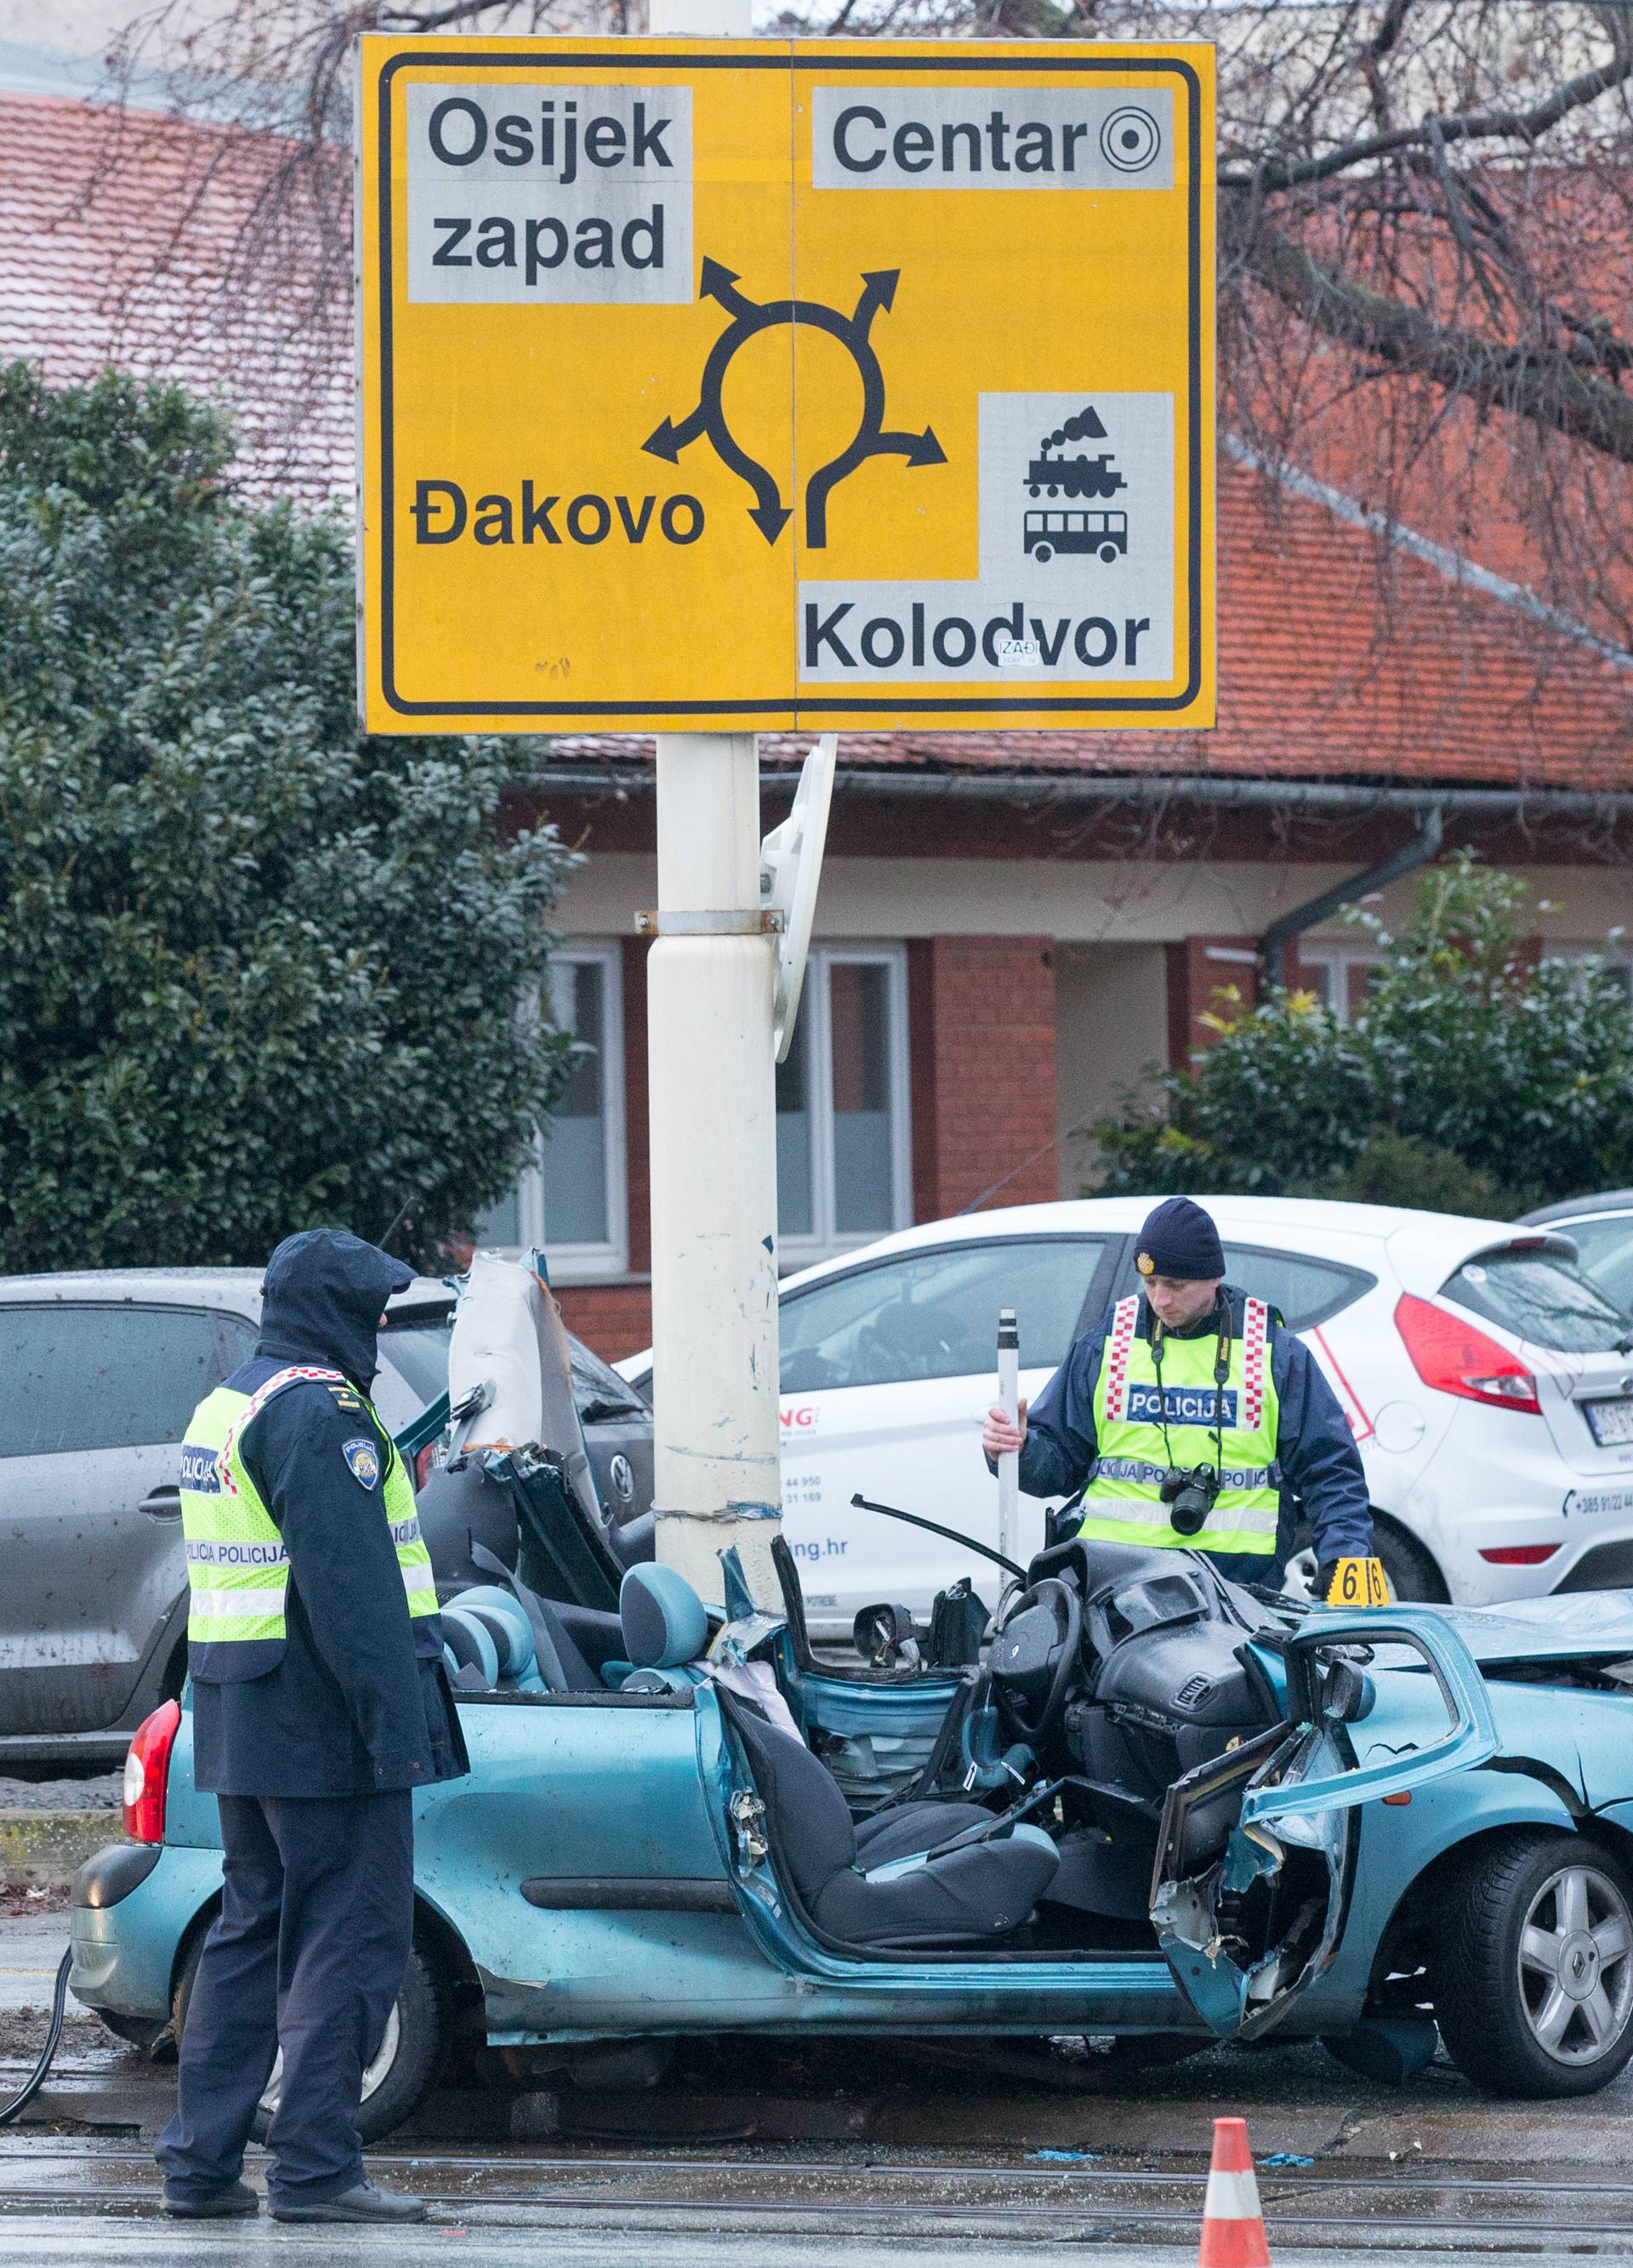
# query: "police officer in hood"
1191, 1419
319, 1705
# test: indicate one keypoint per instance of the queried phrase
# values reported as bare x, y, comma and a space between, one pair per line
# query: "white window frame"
1338, 958
1605, 953
815, 1014
580, 1264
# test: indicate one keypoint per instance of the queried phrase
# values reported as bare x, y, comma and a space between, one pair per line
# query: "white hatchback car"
1489, 1383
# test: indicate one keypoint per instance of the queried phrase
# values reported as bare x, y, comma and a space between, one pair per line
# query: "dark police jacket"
357, 1702
1318, 1464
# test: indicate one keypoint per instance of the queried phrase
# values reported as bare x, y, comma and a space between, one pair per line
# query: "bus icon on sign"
1104, 533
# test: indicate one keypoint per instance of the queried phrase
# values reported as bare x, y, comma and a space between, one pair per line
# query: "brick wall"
615, 1319
1200, 968
981, 1024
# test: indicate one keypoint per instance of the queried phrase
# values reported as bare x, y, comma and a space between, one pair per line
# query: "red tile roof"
115, 242
1339, 659
1423, 668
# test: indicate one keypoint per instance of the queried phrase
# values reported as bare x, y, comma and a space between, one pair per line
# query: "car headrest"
505, 1621
662, 1618
471, 1643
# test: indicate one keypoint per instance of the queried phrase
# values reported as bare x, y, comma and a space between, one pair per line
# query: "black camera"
1190, 1493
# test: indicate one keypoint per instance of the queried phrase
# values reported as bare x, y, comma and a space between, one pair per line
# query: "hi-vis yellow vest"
1122, 1504
236, 1563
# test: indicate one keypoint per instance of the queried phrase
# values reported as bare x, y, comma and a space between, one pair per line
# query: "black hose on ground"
32, 2085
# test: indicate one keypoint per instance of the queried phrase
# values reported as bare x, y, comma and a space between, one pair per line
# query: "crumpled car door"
513, 1408
1256, 1859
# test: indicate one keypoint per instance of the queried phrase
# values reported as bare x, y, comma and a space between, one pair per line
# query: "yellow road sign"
736, 384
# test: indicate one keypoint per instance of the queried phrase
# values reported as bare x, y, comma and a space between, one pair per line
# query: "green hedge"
1476, 1078
256, 972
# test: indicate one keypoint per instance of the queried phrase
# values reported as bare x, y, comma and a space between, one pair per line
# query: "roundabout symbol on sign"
748, 319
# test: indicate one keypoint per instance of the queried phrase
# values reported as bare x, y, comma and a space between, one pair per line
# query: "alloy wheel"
1575, 1965
372, 2077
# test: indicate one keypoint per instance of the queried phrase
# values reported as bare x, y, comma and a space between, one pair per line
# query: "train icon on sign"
1103, 535
1096, 535
1073, 476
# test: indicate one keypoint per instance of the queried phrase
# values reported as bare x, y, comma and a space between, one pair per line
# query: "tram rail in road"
662, 2204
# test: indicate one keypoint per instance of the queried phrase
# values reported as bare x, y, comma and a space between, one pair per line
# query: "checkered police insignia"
363, 1457
257, 1401
1124, 1315
1146, 1265
1255, 1333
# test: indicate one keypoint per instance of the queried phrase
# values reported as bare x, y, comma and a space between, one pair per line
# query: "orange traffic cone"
1232, 2224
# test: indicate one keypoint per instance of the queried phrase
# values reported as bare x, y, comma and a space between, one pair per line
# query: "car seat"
567, 1642
890, 1885
487, 1643
665, 1625
873, 1883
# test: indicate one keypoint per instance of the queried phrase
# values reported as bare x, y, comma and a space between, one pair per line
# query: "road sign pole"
713, 1130
710, 986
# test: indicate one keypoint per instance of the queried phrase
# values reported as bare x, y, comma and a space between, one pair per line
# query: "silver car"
99, 1372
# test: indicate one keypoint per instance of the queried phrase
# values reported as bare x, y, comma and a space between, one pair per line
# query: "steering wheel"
914, 1340
1067, 1611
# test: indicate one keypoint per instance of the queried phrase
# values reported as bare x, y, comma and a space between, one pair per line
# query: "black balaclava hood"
322, 1297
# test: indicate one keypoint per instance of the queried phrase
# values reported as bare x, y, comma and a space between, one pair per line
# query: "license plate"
1612, 1422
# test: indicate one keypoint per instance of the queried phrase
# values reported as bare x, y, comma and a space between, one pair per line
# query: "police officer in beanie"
1191, 1419
319, 1705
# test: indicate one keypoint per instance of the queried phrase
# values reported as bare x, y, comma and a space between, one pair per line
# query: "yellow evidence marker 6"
1358, 1583
713, 385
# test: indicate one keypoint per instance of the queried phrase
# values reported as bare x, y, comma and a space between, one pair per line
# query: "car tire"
1407, 1568
1534, 1975
411, 2058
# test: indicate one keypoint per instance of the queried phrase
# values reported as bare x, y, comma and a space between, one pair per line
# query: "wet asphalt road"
133, 2245
774, 2159
778, 2155
76, 1791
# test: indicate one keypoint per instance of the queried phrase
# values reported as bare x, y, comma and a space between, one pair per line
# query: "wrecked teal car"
1143, 1805
1157, 1805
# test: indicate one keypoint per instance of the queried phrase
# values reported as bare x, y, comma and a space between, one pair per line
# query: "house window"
571, 1200
1613, 957
1340, 975
842, 1105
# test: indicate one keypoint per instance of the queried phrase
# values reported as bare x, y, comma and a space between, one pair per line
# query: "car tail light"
1519, 1555
147, 1773
428, 1460
1452, 1356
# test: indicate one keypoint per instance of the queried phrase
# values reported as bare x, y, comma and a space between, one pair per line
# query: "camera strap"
1221, 1379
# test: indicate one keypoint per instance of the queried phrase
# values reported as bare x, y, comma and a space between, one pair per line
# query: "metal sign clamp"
662, 922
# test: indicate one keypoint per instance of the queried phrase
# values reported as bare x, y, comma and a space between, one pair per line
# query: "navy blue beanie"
1180, 1239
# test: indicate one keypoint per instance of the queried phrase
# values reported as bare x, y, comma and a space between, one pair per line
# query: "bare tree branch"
1381, 44
1495, 125
1548, 386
